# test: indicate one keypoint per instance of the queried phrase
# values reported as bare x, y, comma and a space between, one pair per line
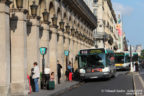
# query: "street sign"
43, 50
66, 52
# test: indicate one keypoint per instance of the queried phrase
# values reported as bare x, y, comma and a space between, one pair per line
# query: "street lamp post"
67, 28
43, 51
104, 39
34, 9
131, 65
61, 23
45, 16
54, 21
66, 52
19, 4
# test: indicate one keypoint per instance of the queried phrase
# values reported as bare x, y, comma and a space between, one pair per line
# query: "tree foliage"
142, 54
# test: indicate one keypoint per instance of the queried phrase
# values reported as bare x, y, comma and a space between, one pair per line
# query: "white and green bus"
96, 63
122, 60
135, 57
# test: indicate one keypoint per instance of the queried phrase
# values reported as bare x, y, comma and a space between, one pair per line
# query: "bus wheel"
113, 75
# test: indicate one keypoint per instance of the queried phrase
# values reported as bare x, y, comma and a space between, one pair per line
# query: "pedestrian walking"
47, 76
136, 67
28, 77
69, 67
59, 67
32, 80
36, 75
67, 74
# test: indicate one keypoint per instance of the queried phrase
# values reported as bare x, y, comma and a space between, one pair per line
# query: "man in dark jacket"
136, 67
59, 67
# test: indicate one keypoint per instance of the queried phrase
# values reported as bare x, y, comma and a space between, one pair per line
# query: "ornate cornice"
112, 11
81, 9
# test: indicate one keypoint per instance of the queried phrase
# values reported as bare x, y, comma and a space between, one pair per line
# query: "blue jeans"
36, 85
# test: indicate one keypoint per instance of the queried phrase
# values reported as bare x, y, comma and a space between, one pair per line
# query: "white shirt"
47, 71
36, 72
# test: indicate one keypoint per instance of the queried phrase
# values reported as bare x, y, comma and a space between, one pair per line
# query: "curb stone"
64, 89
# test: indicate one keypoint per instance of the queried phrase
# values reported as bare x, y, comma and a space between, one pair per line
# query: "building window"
94, 11
95, 1
100, 25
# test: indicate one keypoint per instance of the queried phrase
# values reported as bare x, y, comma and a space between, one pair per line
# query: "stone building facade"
106, 35
27, 25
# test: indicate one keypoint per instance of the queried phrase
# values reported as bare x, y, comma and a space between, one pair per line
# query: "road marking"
141, 73
141, 80
134, 85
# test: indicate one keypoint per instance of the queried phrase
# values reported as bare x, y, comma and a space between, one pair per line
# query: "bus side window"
83, 61
108, 59
112, 59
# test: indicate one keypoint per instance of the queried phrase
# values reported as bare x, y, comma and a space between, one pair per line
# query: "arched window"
95, 1
58, 0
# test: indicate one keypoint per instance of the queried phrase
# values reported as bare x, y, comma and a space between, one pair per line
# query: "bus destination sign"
92, 51
119, 54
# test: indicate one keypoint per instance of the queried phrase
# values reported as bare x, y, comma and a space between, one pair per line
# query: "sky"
133, 19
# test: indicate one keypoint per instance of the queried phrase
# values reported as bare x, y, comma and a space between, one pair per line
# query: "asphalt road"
121, 85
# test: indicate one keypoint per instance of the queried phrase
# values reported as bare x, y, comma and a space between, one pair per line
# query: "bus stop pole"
131, 65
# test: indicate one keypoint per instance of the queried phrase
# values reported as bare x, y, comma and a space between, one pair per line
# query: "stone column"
66, 47
60, 50
60, 47
74, 47
75, 53
18, 53
33, 54
78, 48
53, 51
76, 44
44, 42
80, 44
85, 45
71, 49
4, 50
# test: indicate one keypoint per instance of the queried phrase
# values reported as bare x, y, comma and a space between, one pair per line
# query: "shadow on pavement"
97, 80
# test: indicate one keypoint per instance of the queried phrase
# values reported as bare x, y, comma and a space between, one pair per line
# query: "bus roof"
92, 51
135, 53
124, 53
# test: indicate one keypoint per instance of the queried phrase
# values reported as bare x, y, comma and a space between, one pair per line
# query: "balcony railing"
110, 41
101, 36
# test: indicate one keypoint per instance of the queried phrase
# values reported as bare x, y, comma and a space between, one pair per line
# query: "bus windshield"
119, 59
135, 58
93, 61
127, 58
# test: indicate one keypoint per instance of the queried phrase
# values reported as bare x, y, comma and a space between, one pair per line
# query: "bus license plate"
94, 77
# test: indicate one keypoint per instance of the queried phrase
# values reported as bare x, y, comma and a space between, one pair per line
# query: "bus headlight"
106, 69
82, 71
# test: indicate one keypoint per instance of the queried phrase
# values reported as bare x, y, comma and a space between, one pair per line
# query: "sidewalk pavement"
138, 79
60, 88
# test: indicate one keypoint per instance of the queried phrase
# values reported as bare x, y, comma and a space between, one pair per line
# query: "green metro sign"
43, 50
66, 52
